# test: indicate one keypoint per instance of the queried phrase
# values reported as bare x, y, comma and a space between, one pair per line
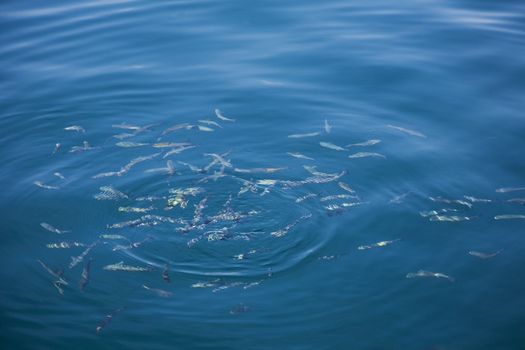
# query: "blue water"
450, 73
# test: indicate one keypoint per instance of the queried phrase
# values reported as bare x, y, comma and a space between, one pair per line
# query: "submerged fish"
171, 144
509, 189
239, 309
210, 122
135, 209
298, 136
477, 200
221, 117
298, 155
378, 244
166, 274
85, 147
423, 273
57, 275
53, 229
121, 267
59, 175
407, 131
75, 260
64, 245
345, 187
484, 255
282, 232
364, 144
305, 197
127, 144
204, 128
169, 169
451, 218
57, 148
399, 199
110, 193
177, 150
76, 128
509, 217
112, 236
84, 278
47, 187
160, 292
327, 127
312, 169
331, 146
107, 320
516, 200
451, 201
366, 154
338, 196
258, 170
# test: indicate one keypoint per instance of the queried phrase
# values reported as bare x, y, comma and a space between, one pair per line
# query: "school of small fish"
184, 207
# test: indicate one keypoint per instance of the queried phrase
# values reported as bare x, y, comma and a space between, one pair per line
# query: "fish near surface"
331, 146
221, 117
484, 255
423, 273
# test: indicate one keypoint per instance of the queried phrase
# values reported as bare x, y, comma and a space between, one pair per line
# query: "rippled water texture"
405, 230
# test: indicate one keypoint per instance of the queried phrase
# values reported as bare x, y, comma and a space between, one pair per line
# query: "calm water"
273, 272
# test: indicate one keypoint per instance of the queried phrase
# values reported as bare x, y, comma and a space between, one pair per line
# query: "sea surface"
405, 230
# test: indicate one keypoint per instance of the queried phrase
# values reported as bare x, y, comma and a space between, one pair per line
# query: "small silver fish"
85, 147
57, 275
366, 154
364, 144
484, 255
298, 155
221, 117
177, 150
298, 136
166, 274
210, 122
64, 245
399, 199
407, 131
423, 273
327, 127
204, 128
239, 309
128, 144
312, 169
160, 292
378, 244
47, 187
345, 187
509, 189
509, 217
76, 128
75, 260
110, 193
135, 209
53, 229
105, 236
337, 196
121, 267
57, 148
477, 200
171, 144
59, 175
84, 278
450, 218
305, 197
331, 146
516, 200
